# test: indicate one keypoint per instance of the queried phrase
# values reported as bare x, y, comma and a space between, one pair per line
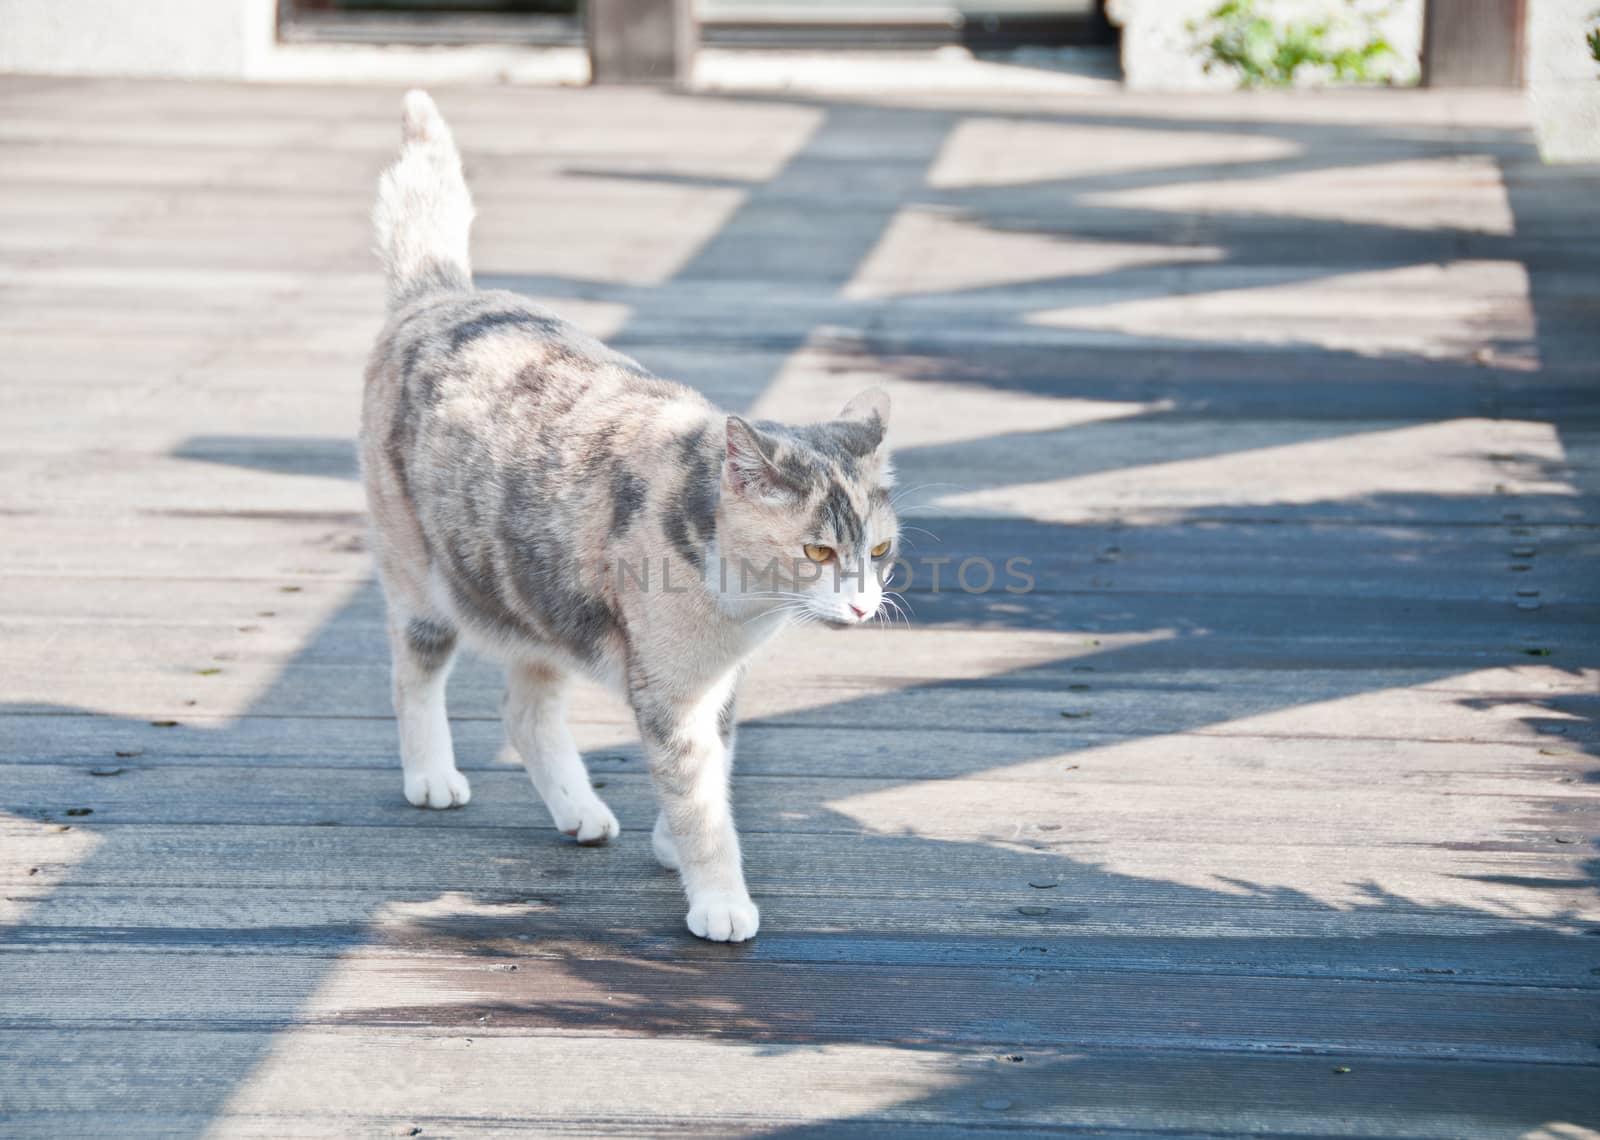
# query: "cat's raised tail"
424, 210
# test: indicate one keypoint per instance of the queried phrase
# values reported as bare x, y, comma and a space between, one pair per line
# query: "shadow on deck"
1236, 1011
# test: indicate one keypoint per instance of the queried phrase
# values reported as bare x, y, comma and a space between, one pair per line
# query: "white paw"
724, 918
666, 851
437, 788
589, 822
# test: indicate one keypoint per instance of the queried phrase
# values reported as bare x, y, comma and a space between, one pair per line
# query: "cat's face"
806, 522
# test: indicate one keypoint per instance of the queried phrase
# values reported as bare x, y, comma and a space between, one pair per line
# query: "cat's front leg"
687, 741
423, 650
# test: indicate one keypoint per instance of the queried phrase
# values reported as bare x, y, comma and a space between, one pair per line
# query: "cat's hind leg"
663, 845
536, 726
423, 650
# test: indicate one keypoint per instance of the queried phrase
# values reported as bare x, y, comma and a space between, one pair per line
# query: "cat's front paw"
591, 823
437, 788
724, 918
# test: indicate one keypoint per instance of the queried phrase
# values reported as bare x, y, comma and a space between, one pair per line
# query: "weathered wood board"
1268, 810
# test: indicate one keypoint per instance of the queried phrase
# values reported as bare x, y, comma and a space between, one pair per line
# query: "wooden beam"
1473, 43
641, 41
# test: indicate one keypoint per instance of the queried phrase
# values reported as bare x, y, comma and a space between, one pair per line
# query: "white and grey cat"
553, 503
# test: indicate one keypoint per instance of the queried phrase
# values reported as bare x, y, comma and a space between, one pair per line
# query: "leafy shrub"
1264, 51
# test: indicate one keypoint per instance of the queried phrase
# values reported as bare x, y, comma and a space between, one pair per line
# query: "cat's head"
806, 521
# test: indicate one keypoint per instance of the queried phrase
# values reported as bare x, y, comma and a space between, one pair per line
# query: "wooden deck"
1270, 810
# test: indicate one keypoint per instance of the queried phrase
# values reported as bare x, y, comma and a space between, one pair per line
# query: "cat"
554, 504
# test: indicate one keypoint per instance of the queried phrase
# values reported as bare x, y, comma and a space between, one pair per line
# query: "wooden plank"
317, 586
1545, 879
330, 1078
303, 1125
1169, 760
1447, 634
1474, 43
1306, 704
962, 809
1315, 559
1266, 934
241, 645
958, 1006
641, 41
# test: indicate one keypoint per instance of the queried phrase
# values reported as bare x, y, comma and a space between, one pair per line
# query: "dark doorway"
812, 24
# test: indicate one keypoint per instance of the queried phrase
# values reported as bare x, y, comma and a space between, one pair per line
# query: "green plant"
1264, 51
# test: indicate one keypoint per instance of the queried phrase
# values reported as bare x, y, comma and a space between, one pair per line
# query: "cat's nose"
857, 610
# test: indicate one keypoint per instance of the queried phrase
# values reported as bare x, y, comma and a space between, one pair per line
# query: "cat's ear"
871, 404
870, 410
750, 469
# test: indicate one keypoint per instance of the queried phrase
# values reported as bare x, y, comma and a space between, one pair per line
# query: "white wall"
1564, 80
182, 38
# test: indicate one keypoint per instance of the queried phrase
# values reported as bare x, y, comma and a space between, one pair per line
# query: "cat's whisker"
781, 607
901, 492
898, 499
778, 609
919, 530
792, 610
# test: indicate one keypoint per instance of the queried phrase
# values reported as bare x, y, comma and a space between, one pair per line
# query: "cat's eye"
881, 549
819, 553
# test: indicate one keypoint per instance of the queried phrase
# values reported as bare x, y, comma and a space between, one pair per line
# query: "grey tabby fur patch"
521, 453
